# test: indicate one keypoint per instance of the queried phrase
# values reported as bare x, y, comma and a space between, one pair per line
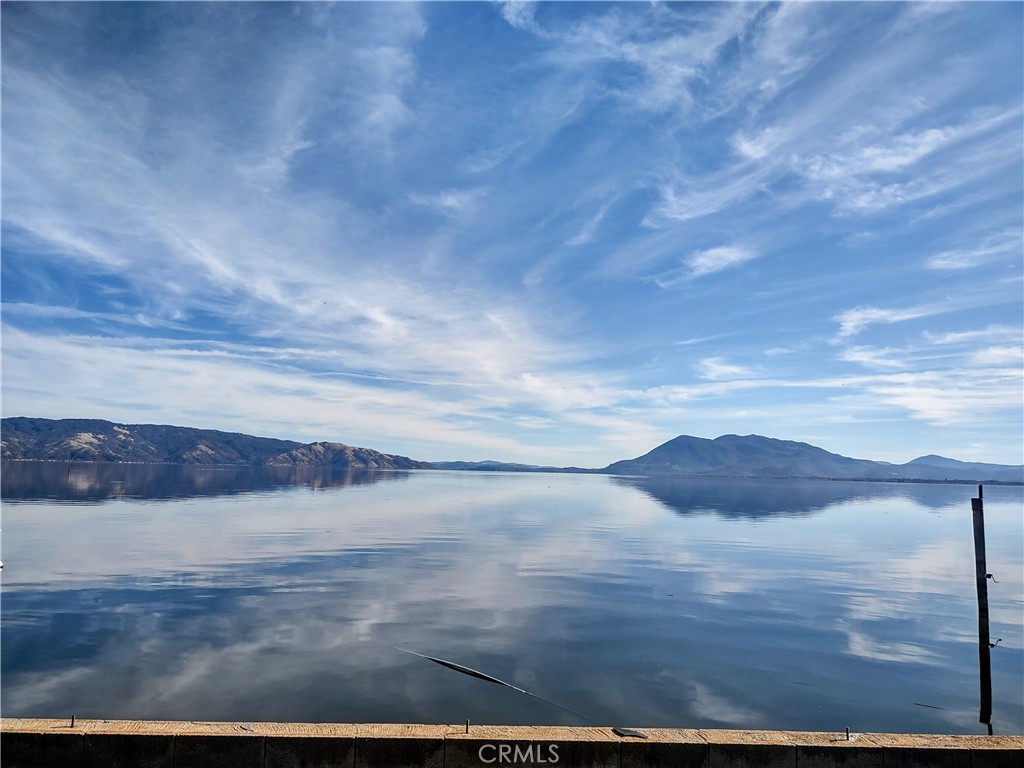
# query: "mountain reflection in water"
88, 481
753, 498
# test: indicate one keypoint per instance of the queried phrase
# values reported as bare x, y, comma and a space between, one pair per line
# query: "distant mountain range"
98, 440
504, 466
756, 456
727, 456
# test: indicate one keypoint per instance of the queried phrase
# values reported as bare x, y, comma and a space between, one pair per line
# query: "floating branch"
489, 678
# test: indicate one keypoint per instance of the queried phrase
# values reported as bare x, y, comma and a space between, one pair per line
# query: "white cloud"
988, 334
786, 42
681, 53
853, 321
1006, 244
246, 392
449, 201
999, 356
886, 155
757, 147
716, 259
520, 14
586, 234
325, 392
872, 357
951, 398
869, 170
957, 396
692, 200
388, 71
716, 369
902, 154
487, 159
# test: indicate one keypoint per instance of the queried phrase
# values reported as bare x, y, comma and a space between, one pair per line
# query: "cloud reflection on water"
283, 605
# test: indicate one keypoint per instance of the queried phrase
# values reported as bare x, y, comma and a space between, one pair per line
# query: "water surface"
280, 595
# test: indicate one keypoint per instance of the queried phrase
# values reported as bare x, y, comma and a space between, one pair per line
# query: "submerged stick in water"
488, 678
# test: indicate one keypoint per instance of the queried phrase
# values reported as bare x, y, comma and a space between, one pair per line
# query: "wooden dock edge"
39, 743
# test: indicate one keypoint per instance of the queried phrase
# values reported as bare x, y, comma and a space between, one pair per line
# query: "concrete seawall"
30, 743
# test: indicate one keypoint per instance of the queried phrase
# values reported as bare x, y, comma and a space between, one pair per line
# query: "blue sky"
555, 233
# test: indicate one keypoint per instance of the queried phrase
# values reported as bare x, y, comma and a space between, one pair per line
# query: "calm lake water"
280, 595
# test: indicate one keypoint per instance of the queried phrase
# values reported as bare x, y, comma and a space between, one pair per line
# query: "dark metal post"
981, 574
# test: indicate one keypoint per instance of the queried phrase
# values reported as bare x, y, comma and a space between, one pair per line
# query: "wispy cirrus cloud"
1009, 244
362, 79
702, 263
326, 402
864, 171
947, 399
853, 321
862, 156
520, 14
989, 334
716, 259
870, 170
672, 59
999, 356
717, 369
448, 201
488, 159
873, 357
586, 234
